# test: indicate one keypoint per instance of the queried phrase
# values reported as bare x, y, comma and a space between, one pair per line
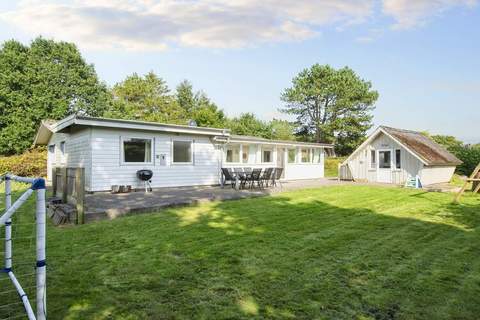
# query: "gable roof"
48, 127
422, 147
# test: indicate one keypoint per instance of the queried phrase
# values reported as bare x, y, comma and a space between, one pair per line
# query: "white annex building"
112, 151
392, 155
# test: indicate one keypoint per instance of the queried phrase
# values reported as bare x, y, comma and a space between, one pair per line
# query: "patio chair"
276, 176
254, 177
228, 176
265, 177
242, 176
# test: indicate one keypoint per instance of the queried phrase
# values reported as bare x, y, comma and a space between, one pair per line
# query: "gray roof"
424, 147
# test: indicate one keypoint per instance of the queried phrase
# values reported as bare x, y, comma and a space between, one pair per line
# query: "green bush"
470, 155
331, 166
32, 163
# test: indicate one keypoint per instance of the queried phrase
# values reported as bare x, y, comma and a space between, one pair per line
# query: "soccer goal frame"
36, 186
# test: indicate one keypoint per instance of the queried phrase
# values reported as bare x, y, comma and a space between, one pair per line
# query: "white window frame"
233, 146
192, 152
271, 154
241, 153
122, 151
310, 156
52, 154
317, 151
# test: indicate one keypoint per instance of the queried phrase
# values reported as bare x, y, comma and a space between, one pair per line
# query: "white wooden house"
112, 151
392, 155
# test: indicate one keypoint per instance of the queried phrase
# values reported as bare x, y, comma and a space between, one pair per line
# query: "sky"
422, 56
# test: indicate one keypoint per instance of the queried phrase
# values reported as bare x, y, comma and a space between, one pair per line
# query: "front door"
384, 170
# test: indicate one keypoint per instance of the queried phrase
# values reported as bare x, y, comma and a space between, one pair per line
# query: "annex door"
384, 170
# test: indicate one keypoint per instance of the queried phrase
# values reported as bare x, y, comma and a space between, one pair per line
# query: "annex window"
398, 159
182, 151
245, 153
233, 154
306, 155
137, 150
267, 156
51, 149
62, 151
373, 159
292, 155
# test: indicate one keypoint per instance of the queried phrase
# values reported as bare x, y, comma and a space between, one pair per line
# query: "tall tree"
45, 79
248, 124
197, 106
282, 130
331, 105
146, 98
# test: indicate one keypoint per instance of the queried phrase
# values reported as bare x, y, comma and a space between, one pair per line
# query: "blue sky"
422, 56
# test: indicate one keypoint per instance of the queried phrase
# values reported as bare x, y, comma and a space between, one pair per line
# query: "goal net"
22, 248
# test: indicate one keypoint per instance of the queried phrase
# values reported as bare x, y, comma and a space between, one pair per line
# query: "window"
292, 155
306, 155
317, 155
137, 150
373, 160
384, 159
233, 154
245, 153
182, 151
267, 155
398, 159
51, 149
62, 151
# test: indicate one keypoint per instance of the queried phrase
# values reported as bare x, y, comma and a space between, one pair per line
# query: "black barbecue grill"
145, 175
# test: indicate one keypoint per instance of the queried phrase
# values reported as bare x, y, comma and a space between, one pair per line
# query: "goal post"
37, 186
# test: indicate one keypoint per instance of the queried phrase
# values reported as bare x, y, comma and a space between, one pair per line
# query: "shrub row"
32, 163
470, 155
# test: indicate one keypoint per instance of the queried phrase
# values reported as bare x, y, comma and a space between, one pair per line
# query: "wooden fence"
69, 185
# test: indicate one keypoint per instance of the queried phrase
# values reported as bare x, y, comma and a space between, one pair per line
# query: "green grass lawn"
348, 252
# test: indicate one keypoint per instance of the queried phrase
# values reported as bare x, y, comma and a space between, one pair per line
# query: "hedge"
470, 155
32, 163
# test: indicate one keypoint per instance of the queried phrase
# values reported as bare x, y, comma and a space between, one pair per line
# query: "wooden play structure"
475, 179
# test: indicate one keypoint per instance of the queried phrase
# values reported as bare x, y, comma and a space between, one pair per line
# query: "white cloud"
159, 24
411, 13
155, 24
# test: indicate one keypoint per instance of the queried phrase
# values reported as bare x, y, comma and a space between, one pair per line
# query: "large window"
373, 159
233, 154
292, 155
182, 151
245, 153
317, 155
306, 155
398, 159
137, 150
267, 155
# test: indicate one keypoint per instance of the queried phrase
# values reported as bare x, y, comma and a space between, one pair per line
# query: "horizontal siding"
436, 174
77, 152
107, 169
